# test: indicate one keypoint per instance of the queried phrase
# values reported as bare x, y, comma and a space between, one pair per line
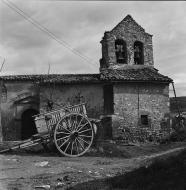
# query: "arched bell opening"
138, 53
121, 51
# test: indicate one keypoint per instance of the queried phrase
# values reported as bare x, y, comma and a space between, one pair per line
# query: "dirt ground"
40, 170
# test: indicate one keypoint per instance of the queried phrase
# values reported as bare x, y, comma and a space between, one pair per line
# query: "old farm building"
128, 92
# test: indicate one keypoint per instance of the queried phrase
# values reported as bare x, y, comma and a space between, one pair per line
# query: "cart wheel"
73, 135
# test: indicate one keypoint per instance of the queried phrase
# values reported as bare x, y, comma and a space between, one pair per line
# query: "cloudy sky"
81, 25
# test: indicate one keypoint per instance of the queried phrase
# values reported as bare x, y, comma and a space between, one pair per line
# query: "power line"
45, 30
2, 65
39, 26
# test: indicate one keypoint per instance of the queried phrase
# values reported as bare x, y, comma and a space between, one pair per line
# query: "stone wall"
71, 94
153, 101
130, 32
133, 100
18, 99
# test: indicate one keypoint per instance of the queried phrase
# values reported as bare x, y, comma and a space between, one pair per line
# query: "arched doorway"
28, 127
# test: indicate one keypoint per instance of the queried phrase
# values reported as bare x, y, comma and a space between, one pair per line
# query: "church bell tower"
127, 45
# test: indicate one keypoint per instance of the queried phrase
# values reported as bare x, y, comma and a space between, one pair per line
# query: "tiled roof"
130, 74
73, 78
57, 78
143, 74
23, 77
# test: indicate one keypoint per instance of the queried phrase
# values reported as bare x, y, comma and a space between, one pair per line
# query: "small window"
121, 51
144, 120
138, 53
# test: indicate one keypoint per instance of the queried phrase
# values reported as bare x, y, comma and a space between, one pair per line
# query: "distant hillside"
181, 102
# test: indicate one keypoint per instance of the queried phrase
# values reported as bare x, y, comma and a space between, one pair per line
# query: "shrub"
178, 135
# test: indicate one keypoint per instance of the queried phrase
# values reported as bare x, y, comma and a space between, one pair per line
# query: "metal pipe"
176, 99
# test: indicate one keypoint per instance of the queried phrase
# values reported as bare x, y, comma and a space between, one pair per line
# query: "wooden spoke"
63, 138
71, 123
67, 147
75, 122
79, 123
85, 136
61, 127
76, 146
64, 143
67, 125
72, 148
73, 135
80, 144
85, 130
82, 126
84, 140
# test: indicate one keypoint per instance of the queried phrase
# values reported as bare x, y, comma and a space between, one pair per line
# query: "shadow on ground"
161, 174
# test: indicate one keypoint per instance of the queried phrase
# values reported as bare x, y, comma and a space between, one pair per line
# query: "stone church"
128, 92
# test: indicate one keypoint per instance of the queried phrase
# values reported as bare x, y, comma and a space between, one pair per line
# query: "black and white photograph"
92, 95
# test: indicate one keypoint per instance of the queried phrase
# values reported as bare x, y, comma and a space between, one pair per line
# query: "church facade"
128, 94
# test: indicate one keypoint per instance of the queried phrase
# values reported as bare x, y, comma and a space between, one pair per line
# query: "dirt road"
28, 171
49, 171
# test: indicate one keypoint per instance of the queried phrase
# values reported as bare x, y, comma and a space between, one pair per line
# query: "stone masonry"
129, 31
137, 92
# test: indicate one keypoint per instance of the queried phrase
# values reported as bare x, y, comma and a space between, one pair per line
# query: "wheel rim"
73, 135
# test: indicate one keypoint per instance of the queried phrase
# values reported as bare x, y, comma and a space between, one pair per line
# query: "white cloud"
82, 25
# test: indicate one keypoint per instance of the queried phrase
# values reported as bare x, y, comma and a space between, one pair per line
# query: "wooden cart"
68, 127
